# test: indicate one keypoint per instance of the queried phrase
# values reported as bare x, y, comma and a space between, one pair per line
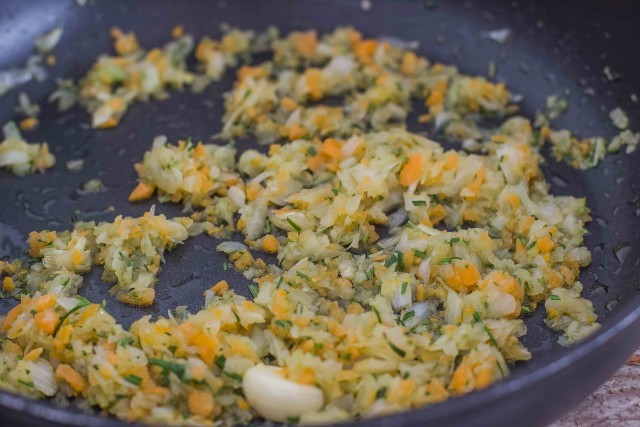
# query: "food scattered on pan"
21, 157
403, 268
34, 68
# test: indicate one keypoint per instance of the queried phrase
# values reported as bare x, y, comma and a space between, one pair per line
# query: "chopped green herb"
253, 290
554, 297
377, 313
294, 225
123, 342
233, 375
419, 203
453, 241
381, 393
285, 324
404, 288
27, 383
83, 303
133, 379
448, 260
302, 275
400, 352
420, 254
312, 151
477, 318
220, 361
167, 367
531, 245
369, 273
408, 315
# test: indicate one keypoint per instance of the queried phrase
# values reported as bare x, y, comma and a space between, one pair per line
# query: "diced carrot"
270, 243
199, 152
451, 161
288, 104
8, 284
412, 169
332, 149
461, 381
436, 98
437, 214
274, 148
142, 192
200, 402
353, 36
280, 304
296, 132
252, 190
116, 104
29, 123
314, 162
46, 321
545, 244
12, 315
302, 321
45, 301
421, 292
206, 345
64, 334
125, 44
313, 78
77, 256
33, 354
409, 63
112, 122
243, 404
71, 376
514, 200
483, 379
253, 72
364, 50
306, 43
177, 31
220, 287
307, 376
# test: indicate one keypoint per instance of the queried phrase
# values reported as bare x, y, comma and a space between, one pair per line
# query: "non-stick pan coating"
553, 46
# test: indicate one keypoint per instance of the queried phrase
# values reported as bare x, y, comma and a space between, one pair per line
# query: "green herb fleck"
377, 313
83, 303
133, 379
294, 225
253, 290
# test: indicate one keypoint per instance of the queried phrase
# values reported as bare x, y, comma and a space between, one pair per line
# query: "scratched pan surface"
553, 47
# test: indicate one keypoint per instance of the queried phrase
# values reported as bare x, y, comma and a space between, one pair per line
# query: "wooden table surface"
616, 403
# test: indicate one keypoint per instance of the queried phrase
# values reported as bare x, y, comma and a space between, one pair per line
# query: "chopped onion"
424, 270
231, 247
47, 41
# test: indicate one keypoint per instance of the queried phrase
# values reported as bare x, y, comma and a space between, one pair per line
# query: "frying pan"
553, 46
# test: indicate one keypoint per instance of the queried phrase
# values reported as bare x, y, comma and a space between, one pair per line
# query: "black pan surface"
553, 46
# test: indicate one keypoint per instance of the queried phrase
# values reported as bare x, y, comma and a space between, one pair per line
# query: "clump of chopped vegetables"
22, 157
347, 324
